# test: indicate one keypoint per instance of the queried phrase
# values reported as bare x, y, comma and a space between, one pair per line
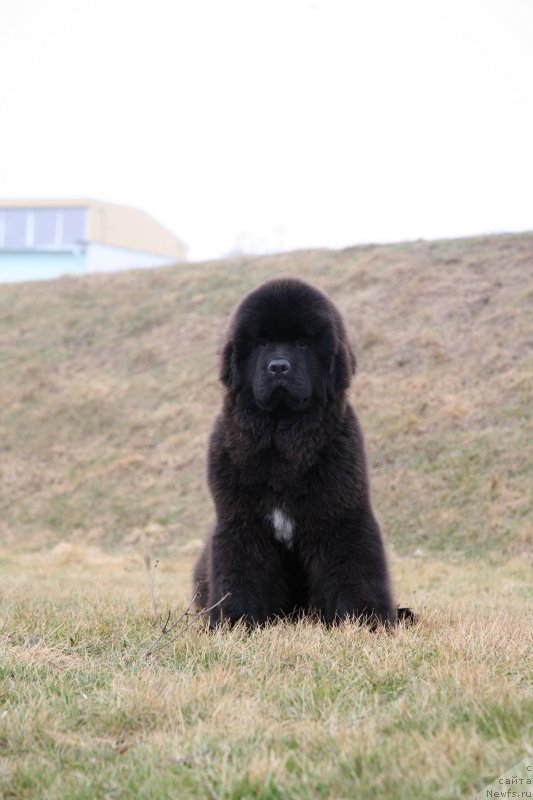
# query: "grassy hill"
109, 388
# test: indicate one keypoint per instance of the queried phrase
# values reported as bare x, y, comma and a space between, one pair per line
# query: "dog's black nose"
279, 366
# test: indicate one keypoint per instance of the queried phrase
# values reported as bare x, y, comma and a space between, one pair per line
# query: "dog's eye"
301, 342
262, 342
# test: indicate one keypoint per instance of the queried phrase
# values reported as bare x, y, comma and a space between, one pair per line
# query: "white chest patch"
283, 527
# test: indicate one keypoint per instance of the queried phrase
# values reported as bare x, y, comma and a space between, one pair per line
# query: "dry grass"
108, 389
290, 711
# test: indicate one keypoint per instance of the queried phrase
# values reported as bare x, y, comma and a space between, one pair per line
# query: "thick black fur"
288, 440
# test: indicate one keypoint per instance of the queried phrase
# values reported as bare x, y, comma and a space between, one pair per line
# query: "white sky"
282, 123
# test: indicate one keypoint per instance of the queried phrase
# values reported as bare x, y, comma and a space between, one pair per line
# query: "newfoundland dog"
295, 532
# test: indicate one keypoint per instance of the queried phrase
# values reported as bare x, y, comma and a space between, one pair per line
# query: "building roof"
114, 225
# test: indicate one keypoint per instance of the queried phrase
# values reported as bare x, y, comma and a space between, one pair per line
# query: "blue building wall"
40, 266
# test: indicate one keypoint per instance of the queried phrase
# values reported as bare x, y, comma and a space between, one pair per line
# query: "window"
73, 225
44, 227
15, 229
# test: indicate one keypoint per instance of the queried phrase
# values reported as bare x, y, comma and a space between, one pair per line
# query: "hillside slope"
109, 387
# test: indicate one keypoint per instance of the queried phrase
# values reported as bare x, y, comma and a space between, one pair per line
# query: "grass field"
108, 388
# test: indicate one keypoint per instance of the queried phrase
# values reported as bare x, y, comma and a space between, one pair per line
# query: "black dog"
295, 531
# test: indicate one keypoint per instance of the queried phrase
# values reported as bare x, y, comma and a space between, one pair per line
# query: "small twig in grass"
151, 582
166, 628
158, 643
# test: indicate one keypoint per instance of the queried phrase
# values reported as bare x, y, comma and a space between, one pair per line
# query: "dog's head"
286, 349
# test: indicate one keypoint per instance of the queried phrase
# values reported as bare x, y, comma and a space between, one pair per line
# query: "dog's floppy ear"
229, 373
345, 365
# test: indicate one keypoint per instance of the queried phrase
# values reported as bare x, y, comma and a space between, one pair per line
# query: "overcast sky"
277, 123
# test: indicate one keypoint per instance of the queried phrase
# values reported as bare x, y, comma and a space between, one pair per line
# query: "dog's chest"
283, 527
